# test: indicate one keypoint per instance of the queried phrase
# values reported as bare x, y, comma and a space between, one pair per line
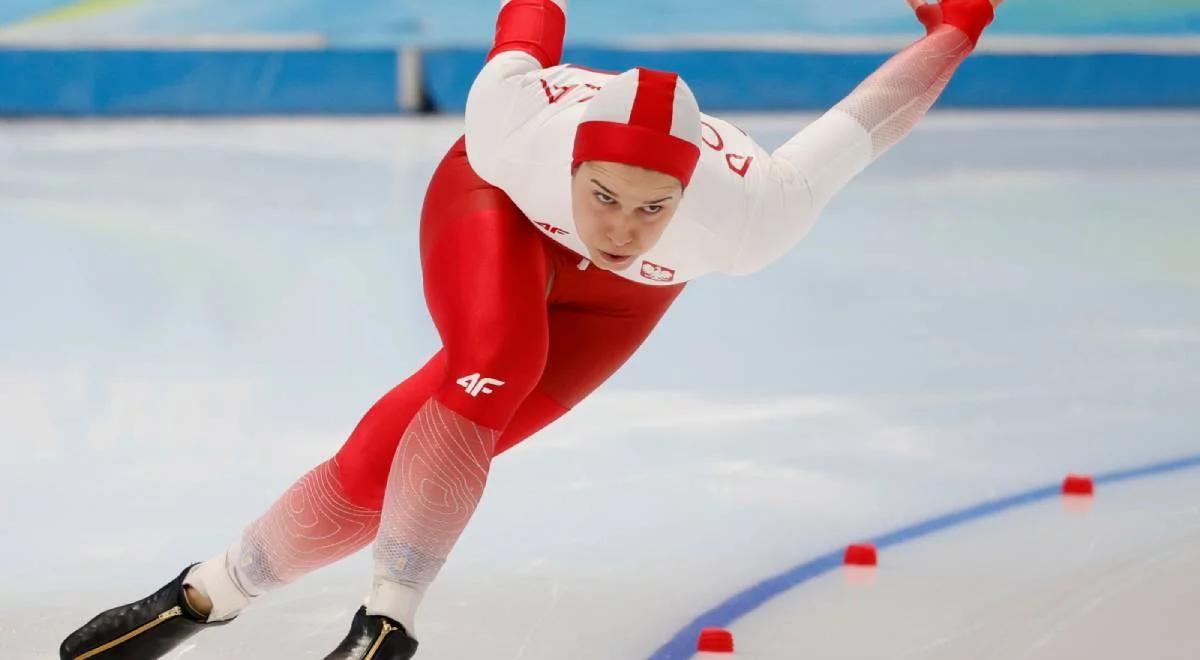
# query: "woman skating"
554, 236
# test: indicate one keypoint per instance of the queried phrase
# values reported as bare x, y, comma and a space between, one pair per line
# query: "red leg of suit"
566, 339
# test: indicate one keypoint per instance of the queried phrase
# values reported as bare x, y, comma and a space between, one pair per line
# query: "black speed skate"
146, 629
374, 637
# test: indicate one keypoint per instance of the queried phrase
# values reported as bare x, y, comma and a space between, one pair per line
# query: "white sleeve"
507, 92
804, 174
799, 179
505, 96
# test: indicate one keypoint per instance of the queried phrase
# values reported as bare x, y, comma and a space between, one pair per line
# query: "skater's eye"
652, 209
605, 199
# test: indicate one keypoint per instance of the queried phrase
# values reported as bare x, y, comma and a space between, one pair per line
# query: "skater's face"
621, 211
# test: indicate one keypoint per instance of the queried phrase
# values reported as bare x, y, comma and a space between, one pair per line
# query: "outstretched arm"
529, 39
891, 102
807, 171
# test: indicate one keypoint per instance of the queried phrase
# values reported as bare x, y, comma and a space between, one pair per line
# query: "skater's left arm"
507, 93
800, 177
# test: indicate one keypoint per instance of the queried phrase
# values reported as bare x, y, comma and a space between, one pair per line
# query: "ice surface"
1060, 580
196, 313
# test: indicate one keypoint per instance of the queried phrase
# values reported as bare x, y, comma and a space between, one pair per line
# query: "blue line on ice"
683, 643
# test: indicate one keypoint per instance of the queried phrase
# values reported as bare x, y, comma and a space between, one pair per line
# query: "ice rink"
194, 314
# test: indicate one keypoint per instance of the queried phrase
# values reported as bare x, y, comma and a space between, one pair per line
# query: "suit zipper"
387, 628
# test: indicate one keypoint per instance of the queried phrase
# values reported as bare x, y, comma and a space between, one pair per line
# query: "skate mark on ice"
539, 621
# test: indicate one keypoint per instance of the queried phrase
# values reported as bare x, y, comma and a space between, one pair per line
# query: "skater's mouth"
616, 258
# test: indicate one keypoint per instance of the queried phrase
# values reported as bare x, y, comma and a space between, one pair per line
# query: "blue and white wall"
122, 57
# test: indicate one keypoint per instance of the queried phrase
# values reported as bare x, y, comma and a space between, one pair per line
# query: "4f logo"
475, 385
551, 229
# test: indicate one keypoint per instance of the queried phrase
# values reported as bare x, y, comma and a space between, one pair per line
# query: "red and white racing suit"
529, 328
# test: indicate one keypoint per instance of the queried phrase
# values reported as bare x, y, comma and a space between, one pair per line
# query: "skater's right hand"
970, 16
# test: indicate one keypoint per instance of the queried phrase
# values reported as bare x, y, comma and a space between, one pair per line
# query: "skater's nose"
620, 239
620, 233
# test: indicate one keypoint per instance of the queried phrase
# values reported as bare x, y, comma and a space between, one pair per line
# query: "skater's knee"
488, 386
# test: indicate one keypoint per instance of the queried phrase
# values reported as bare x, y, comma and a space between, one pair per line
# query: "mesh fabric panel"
435, 483
892, 100
312, 525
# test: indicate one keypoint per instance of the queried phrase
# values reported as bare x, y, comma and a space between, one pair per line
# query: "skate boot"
143, 630
374, 637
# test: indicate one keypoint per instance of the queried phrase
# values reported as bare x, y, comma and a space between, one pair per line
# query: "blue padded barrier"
743, 80
194, 82
369, 81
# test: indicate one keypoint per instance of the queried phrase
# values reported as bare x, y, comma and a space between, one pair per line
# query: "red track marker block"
1076, 484
862, 554
715, 640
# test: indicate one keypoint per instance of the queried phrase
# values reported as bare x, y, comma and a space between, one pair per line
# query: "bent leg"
313, 524
485, 285
335, 509
329, 513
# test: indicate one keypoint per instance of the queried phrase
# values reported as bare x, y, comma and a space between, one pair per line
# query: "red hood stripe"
654, 105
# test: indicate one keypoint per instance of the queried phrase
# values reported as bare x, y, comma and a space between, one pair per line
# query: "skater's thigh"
587, 346
485, 280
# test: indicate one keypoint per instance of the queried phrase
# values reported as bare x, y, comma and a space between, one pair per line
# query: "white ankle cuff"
212, 578
395, 600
